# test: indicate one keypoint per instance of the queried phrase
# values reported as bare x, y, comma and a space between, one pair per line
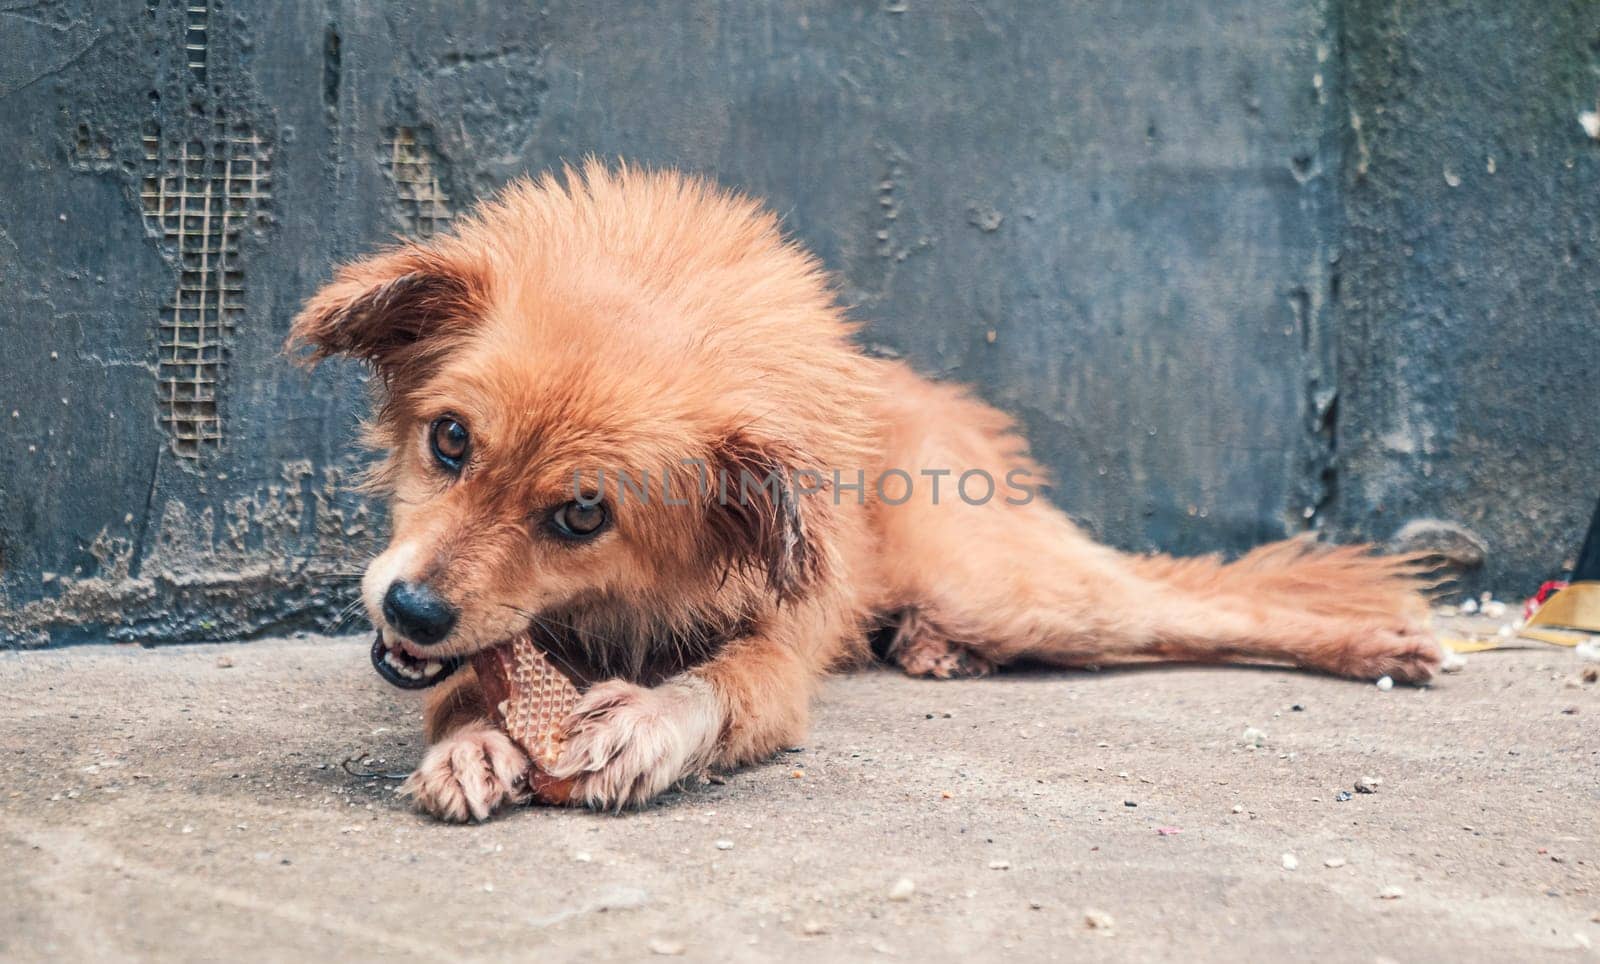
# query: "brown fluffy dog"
615, 324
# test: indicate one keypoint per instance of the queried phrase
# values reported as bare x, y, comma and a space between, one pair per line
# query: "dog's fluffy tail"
1341, 609
1345, 582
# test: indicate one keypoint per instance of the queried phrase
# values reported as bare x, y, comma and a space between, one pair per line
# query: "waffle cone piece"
530, 699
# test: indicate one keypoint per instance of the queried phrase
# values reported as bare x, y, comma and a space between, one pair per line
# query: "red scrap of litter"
1538, 599
1169, 831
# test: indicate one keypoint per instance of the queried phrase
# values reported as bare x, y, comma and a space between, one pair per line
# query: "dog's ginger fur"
618, 318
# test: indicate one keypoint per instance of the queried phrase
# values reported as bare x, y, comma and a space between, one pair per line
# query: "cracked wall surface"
1241, 269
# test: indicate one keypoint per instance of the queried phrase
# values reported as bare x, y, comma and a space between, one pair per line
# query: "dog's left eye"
579, 520
449, 438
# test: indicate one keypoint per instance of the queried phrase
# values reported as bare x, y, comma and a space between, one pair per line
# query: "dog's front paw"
626, 743
469, 774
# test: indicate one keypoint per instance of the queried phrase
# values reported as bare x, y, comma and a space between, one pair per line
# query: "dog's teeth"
433, 668
404, 669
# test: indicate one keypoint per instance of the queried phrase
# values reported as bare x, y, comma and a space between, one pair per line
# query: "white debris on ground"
1385, 683
1291, 862
1482, 609
1590, 121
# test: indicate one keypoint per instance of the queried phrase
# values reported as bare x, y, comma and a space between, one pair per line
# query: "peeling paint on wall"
209, 572
200, 191
418, 174
196, 45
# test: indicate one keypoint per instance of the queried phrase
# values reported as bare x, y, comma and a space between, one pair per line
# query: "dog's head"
593, 405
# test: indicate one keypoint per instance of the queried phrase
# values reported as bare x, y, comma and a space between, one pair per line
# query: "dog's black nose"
419, 612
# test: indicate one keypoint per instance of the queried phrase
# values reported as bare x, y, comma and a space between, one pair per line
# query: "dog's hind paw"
1405, 654
921, 650
626, 743
469, 774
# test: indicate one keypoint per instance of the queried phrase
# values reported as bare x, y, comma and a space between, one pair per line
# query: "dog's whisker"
346, 615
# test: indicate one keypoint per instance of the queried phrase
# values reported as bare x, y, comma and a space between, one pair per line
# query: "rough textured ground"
189, 802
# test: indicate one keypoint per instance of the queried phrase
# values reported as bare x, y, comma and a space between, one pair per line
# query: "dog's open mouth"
408, 672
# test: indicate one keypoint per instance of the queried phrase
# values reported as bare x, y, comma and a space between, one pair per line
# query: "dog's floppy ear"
762, 510
387, 309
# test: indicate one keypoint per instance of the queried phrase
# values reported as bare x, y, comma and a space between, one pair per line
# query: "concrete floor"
189, 803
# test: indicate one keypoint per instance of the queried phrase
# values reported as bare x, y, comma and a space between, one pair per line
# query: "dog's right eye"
449, 438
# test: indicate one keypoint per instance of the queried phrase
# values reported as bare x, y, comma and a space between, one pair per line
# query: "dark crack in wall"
1240, 268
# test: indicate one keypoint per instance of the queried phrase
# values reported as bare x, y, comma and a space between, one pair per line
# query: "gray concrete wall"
1469, 323
1205, 250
